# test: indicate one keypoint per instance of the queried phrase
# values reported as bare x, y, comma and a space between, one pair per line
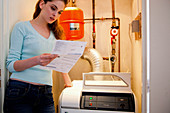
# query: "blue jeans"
21, 97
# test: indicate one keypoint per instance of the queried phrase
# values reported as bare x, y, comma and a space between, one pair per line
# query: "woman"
29, 87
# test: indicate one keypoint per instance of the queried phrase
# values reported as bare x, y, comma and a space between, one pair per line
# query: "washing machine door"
65, 110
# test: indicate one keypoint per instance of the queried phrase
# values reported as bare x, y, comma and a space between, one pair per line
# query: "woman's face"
51, 10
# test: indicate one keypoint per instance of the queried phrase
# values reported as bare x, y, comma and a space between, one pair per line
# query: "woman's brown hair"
55, 27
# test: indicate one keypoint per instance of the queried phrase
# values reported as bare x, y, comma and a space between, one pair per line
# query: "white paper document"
69, 52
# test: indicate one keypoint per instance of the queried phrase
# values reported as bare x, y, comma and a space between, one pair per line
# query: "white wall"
0, 57
159, 56
21, 10
123, 9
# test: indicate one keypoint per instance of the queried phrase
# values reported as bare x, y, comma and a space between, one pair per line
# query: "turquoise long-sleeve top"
26, 42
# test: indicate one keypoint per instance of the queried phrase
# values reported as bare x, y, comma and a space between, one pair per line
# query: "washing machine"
99, 92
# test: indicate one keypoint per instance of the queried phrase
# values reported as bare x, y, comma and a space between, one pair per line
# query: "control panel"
108, 101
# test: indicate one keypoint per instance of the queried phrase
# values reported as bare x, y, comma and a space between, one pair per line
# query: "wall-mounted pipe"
113, 13
119, 47
113, 49
102, 19
113, 24
72, 3
94, 58
113, 38
94, 32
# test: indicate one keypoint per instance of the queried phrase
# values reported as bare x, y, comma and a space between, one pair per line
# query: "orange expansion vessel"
72, 20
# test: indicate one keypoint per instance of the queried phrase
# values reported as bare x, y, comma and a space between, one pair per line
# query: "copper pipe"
113, 24
94, 32
74, 3
113, 8
113, 13
69, 3
101, 19
119, 47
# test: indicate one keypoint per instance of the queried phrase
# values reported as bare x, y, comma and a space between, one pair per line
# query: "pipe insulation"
94, 58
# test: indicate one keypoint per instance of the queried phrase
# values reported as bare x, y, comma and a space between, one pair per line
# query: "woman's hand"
67, 80
42, 60
68, 85
46, 58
